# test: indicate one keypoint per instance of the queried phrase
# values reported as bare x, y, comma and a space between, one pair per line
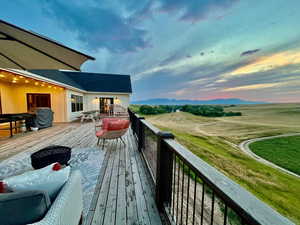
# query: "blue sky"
184, 49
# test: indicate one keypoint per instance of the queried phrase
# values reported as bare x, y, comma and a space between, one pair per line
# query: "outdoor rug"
87, 160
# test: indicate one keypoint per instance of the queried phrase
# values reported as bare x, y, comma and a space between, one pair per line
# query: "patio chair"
112, 128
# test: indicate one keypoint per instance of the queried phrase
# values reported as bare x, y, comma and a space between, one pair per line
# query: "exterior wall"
91, 103
73, 115
13, 98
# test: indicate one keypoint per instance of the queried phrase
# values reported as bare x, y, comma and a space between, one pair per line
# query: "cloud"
172, 58
98, 27
252, 87
195, 10
266, 63
291, 83
250, 52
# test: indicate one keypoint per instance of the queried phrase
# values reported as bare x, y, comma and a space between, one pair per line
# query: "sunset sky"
184, 49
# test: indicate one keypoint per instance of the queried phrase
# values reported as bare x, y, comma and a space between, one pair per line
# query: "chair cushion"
100, 133
45, 179
19, 208
126, 124
115, 125
106, 121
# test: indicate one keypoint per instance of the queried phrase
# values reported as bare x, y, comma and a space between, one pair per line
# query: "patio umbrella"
22, 49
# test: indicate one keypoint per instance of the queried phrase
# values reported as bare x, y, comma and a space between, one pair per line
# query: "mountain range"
221, 101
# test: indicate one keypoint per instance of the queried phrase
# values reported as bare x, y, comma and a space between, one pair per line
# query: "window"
38, 100
76, 103
0, 104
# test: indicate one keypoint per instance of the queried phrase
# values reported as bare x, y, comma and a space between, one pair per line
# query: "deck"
124, 193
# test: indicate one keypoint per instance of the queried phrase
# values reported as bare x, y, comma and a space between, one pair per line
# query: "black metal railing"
191, 192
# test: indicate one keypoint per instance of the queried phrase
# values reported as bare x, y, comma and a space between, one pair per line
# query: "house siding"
71, 116
91, 103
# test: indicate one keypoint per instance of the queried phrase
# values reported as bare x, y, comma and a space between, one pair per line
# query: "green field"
215, 141
284, 151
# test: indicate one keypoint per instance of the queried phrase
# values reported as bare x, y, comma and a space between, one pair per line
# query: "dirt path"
244, 146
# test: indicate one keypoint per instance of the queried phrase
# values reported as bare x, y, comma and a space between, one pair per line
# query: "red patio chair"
112, 128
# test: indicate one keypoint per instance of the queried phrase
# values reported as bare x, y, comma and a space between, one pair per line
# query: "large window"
76, 103
0, 104
35, 100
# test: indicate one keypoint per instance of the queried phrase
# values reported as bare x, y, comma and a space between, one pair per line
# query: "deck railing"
190, 191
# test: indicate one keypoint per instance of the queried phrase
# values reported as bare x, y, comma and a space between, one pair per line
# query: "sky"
182, 49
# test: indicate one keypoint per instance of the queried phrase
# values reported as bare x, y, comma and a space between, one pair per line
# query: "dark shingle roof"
92, 82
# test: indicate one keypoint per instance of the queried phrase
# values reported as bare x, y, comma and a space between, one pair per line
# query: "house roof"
91, 82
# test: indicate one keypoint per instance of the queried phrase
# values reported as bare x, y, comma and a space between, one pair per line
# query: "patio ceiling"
22, 49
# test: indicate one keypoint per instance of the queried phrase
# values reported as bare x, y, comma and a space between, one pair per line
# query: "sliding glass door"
104, 104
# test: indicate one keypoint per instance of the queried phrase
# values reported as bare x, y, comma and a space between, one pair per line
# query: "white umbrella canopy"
22, 49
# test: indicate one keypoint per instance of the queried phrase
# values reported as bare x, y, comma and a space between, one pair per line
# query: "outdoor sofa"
66, 209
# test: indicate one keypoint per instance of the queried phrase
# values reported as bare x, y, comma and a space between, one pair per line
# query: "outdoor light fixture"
117, 100
14, 81
36, 83
26, 81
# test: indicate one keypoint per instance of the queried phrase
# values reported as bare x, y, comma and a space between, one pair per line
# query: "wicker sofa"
25, 206
68, 205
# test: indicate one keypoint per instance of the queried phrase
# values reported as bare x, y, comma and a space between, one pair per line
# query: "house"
67, 93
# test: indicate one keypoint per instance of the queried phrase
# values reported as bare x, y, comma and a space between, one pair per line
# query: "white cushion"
45, 179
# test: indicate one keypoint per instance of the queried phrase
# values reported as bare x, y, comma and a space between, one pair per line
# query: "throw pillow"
2, 187
46, 179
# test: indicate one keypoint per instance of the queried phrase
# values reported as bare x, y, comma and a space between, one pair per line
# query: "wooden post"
163, 188
141, 133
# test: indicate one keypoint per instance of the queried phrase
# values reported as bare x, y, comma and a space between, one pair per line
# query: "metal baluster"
194, 207
182, 193
178, 177
202, 204
212, 208
173, 194
187, 198
225, 215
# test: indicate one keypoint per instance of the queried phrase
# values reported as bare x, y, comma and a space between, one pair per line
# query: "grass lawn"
284, 151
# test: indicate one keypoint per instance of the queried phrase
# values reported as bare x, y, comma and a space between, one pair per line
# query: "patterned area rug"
87, 160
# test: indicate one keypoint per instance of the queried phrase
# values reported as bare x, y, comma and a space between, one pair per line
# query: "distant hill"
166, 101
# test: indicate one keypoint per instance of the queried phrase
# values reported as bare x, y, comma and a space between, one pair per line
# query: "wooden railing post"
141, 133
163, 188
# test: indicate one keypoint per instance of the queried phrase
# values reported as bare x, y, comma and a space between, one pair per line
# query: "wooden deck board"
123, 194
148, 189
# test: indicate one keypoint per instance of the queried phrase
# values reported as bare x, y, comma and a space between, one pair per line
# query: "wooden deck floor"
123, 195
69, 134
